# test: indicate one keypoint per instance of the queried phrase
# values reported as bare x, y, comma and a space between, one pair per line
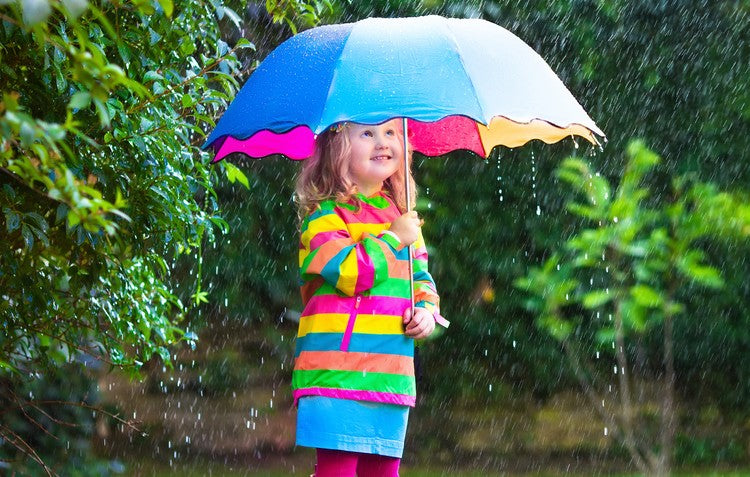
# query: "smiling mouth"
380, 158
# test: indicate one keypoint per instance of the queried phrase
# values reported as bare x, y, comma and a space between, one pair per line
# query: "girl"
353, 379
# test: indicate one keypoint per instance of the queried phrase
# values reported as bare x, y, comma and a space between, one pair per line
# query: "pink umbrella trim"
429, 138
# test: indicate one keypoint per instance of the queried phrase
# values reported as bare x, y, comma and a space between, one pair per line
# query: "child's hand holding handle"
406, 227
421, 325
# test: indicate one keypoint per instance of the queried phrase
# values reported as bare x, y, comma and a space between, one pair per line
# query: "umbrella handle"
407, 181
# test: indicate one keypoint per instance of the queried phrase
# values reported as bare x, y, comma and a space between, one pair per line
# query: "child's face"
376, 153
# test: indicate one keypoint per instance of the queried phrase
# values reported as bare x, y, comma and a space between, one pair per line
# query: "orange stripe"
325, 253
352, 361
395, 269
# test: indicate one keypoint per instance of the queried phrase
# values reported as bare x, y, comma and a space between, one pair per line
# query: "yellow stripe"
324, 223
336, 323
357, 230
303, 253
503, 131
348, 271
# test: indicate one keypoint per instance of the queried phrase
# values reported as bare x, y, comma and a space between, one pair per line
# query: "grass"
217, 469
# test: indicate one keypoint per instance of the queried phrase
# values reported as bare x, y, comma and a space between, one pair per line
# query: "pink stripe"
298, 143
368, 215
324, 237
365, 270
429, 138
369, 304
446, 135
372, 396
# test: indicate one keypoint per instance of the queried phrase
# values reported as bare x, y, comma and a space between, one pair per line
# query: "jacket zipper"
350, 326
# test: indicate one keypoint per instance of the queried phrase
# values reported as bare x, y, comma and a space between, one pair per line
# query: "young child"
353, 378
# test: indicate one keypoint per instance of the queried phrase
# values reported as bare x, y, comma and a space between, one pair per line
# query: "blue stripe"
423, 276
332, 270
360, 343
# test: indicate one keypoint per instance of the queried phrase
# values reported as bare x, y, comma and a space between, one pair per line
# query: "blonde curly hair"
325, 175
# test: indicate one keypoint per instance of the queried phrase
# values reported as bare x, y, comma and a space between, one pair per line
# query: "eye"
391, 132
367, 133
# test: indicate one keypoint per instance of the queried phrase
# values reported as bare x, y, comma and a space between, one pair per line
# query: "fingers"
421, 325
407, 315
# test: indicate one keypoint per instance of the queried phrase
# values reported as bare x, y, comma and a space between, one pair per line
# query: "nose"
380, 142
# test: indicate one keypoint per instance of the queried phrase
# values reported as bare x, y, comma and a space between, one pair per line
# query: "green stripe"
356, 380
393, 287
391, 240
379, 262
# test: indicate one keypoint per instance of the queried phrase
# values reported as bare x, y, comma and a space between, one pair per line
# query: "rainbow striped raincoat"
355, 288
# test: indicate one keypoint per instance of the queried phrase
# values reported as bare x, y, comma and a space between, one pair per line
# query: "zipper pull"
356, 304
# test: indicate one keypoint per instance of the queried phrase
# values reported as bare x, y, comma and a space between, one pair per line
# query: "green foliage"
53, 417
639, 260
106, 199
306, 13
104, 185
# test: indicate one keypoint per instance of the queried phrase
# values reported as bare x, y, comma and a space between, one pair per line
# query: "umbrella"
463, 84
457, 83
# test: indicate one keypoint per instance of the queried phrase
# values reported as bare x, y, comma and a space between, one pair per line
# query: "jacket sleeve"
425, 292
327, 250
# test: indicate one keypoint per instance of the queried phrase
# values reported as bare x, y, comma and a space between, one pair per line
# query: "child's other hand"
406, 227
421, 325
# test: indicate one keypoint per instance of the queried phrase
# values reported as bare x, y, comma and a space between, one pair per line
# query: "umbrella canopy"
463, 84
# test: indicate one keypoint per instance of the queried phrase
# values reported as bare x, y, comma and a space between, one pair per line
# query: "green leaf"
706, 275
28, 133
557, 328
167, 6
233, 17
28, 236
12, 220
152, 76
73, 218
80, 100
235, 174
199, 297
646, 296
635, 316
101, 109
596, 298
35, 11
76, 7
244, 43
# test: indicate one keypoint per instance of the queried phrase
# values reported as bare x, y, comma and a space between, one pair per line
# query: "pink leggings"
335, 463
